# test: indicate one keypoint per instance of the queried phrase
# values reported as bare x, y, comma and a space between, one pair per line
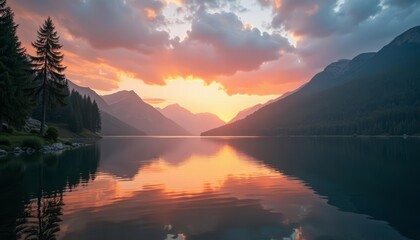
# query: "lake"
215, 188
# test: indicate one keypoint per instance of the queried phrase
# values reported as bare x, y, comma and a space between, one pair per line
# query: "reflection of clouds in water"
178, 236
233, 189
167, 227
296, 235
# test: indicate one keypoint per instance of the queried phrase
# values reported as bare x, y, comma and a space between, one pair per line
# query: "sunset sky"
211, 55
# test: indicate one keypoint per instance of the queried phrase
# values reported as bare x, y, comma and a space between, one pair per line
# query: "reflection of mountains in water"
210, 215
135, 152
336, 168
372, 176
368, 176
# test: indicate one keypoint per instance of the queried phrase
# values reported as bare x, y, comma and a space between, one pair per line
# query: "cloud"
285, 74
331, 30
107, 24
321, 18
154, 101
204, 5
105, 40
219, 44
401, 3
106, 32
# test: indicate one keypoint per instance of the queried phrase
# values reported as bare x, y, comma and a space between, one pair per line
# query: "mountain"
372, 94
248, 111
194, 123
85, 91
129, 107
111, 125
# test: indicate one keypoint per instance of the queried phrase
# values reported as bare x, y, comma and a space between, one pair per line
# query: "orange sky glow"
208, 56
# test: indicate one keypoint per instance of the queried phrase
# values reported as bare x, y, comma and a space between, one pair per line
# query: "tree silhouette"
15, 72
41, 218
47, 63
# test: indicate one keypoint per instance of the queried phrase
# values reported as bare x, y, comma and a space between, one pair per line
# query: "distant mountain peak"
193, 122
410, 36
127, 93
175, 105
124, 95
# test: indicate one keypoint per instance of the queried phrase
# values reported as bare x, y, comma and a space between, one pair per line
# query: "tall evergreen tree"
50, 80
80, 113
97, 117
15, 73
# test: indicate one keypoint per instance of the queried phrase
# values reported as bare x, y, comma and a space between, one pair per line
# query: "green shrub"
4, 141
9, 130
32, 142
67, 143
34, 131
52, 133
5, 148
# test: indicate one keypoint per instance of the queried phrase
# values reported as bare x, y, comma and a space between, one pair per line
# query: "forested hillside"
80, 112
373, 94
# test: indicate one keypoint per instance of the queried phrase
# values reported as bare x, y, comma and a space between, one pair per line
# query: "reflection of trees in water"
41, 218
373, 176
32, 189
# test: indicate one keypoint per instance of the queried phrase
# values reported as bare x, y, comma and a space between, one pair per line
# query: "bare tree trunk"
44, 110
39, 203
1, 122
44, 100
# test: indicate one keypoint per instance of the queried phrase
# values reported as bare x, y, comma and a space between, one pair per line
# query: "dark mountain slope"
111, 125
85, 91
248, 111
371, 94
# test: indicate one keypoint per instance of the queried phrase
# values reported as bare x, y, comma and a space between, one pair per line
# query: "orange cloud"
150, 13
154, 101
218, 48
275, 77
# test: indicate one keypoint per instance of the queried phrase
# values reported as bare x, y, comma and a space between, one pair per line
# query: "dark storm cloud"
330, 30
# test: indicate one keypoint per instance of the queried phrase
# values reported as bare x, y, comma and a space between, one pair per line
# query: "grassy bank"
64, 132
9, 141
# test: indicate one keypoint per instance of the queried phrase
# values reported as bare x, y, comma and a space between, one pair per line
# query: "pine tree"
50, 80
15, 73
97, 117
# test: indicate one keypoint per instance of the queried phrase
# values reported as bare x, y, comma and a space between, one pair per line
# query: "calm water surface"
192, 188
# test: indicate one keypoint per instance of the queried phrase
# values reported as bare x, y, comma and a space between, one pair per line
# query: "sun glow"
186, 178
293, 38
179, 174
151, 14
196, 95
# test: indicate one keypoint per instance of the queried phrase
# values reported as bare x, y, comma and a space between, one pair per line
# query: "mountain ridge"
129, 107
194, 123
111, 125
376, 94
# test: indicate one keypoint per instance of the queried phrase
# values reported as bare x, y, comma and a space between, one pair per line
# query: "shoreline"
55, 148
28, 143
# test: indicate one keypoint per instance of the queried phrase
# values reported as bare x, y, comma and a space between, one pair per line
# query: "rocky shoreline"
55, 148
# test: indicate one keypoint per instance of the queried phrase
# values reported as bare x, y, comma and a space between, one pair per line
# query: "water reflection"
372, 176
32, 189
40, 218
173, 188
